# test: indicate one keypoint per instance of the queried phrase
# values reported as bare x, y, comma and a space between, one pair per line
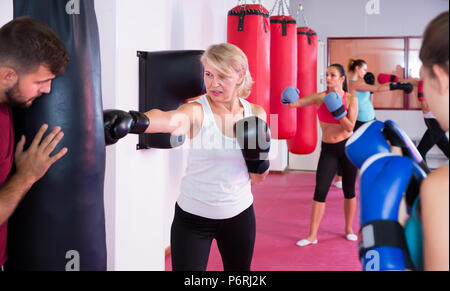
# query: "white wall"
137, 181
330, 18
6, 11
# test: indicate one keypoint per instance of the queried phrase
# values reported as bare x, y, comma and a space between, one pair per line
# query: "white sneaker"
338, 184
351, 237
305, 242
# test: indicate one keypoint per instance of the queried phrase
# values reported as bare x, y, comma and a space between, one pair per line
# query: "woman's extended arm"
177, 122
308, 100
362, 86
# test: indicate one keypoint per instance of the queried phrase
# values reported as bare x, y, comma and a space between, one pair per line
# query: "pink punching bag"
283, 68
305, 141
248, 28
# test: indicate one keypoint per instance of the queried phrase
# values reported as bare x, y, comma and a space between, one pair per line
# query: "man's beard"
13, 94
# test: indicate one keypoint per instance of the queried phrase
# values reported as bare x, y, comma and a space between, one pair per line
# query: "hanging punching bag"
248, 28
60, 224
283, 68
305, 140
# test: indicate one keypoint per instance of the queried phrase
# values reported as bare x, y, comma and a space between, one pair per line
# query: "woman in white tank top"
215, 199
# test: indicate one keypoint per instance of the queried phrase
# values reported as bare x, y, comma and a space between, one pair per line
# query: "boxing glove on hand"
405, 86
385, 78
334, 104
369, 78
373, 137
253, 137
290, 95
118, 123
384, 180
367, 141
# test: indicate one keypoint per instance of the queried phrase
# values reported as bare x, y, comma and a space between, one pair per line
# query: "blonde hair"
226, 58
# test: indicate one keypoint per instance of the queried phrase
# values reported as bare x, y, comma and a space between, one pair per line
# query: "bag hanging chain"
301, 9
281, 8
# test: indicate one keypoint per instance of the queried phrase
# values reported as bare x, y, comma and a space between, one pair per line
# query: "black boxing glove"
405, 86
369, 78
253, 136
118, 123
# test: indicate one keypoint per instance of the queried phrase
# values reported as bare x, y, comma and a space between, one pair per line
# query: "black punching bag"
167, 79
60, 224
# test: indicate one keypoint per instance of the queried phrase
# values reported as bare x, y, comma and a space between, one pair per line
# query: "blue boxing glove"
373, 137
290, 95
334, 104
384, 180
367, 141
398, 137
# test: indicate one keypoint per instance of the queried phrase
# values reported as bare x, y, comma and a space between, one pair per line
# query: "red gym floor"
282, 206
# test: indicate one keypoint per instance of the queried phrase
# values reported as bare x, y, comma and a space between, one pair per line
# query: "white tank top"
217, 184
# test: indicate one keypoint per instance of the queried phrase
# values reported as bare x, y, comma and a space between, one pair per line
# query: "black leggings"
332, 156
433, 135
192, 235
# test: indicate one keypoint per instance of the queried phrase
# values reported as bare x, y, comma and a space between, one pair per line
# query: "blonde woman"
216, 200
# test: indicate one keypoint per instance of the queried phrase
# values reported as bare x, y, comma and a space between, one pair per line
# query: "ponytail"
352, 64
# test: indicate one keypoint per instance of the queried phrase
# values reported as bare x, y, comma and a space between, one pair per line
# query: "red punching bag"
248, 28
305, 140
283, 68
